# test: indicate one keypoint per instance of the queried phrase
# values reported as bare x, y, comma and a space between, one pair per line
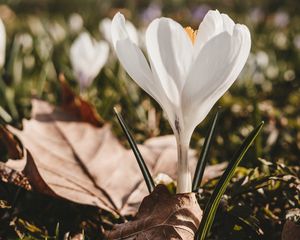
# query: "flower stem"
184, 180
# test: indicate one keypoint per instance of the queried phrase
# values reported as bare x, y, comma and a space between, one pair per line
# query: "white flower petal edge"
186, 79
105, 30
217, 66
170, 53
2, 43
135, 63
87, 58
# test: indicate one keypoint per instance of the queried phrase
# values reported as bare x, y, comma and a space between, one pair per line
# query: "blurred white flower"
280, 40
57, 32
2, 43
262, 59
272, 72
289, 75
87, 58
36, 26
105, 30
188, 72
258, 78
75, 22
26, 41
297, 41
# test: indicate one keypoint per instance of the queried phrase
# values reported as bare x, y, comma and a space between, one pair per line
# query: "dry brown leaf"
75, 105
162, 216
14, 149
291, 231
87, 164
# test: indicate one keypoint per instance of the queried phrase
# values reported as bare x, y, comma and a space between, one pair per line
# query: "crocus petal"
216, 68
101, 53
87, 58
228, 23
170, 54
213, 24
132, 32
136, 65
118, 29
105, 29
2, 43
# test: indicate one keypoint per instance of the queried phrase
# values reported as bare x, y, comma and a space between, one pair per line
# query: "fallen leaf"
162, 216
76, 160
75, 105
291, 231
14, 149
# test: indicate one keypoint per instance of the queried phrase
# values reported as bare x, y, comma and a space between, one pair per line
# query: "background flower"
87, 58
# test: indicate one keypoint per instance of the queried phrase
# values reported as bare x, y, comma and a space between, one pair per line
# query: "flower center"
191, 33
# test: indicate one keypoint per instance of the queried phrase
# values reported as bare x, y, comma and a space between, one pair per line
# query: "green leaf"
204, 154
212, 205
147, 176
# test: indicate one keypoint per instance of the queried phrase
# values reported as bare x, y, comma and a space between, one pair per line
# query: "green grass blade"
146, 174
4, 115
212, 205
204, 154
57, 231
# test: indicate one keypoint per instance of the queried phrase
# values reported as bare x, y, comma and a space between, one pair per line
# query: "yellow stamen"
191, 33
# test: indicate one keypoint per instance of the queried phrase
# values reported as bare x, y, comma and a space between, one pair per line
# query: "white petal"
118, 29
105, 29
101, 53
170, 53
87, 58
136, 65
213, 24
228, 23
217, 66
83, 47
2, 43
132, 32
132, 58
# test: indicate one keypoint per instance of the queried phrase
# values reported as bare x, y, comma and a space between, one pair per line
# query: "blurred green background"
40, 33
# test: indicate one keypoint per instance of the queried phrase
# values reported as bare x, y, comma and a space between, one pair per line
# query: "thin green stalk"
144, 169
204, 154
212, 205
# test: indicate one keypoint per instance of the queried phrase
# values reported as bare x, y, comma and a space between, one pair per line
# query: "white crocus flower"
105, 30
188, 71
2, 43
87, 58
